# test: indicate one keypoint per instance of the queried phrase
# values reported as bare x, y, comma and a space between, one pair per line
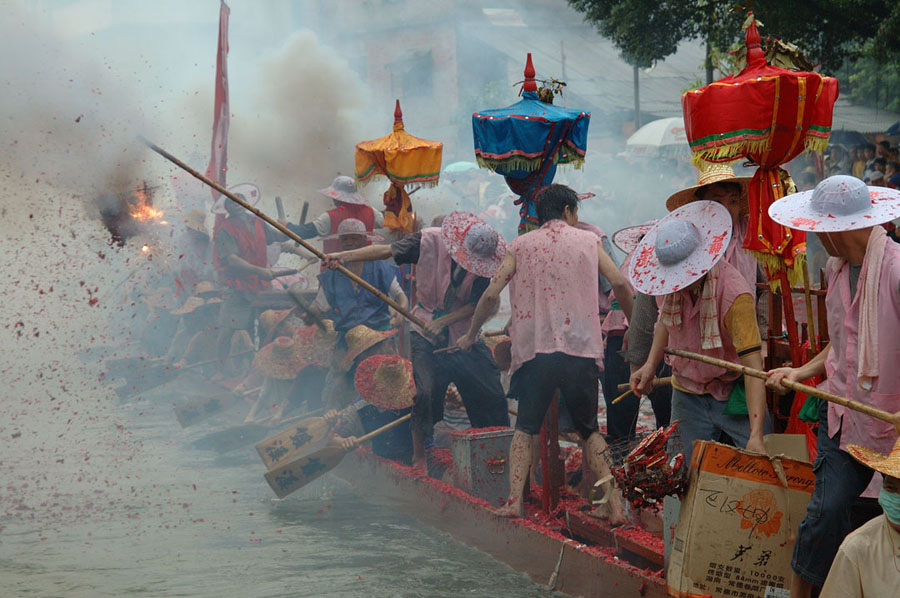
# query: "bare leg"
613, 510
418, 458
520, 462
535, 460
800, 588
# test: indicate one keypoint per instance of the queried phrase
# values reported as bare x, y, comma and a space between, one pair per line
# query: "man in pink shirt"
555, 332
860, 361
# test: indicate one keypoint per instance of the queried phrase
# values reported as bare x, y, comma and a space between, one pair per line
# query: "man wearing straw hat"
718, 183
555, 330
863, 304
454, 266
867, 563
707, 307
348, 203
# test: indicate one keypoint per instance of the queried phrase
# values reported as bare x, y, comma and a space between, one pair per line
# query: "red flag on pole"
218, 158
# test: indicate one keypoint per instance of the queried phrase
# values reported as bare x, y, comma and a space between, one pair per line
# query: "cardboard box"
480, 462
738, 521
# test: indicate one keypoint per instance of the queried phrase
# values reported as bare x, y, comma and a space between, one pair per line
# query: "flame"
145, 248
141, 209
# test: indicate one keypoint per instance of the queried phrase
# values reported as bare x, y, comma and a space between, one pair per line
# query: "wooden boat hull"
533, 549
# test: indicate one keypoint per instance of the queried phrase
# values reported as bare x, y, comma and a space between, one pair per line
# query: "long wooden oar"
287, 444
235, 437
282, 229
298, 473
196, 411
790, 385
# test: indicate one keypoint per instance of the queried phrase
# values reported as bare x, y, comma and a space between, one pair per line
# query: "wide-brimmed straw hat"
194, 303
205, 287
352, 226
386, 381
628, 238
248, 191
362, 338
316, 345
887, 464
714, 173
473, 243
838, 203
270, 319
502, 353
279, 359
196, 220
681, 248
343, 189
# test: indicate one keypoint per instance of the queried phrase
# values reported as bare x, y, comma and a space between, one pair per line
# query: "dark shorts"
475, 375
578, 382
840, 479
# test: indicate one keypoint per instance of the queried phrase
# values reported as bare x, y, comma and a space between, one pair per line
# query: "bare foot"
611, 512
510, 510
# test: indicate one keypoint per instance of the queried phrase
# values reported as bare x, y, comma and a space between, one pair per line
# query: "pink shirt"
433, 280
841, 363
694, 376
554, 294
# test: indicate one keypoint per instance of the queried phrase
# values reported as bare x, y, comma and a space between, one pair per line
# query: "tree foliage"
828, 31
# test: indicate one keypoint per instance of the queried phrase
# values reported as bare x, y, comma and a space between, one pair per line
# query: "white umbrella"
663, 138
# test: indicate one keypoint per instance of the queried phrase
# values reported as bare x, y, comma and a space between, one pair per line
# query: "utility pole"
637, 99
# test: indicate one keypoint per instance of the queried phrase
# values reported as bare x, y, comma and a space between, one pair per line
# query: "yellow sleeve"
740, 321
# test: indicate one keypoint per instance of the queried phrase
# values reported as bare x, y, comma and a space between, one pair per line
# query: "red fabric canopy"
767, 115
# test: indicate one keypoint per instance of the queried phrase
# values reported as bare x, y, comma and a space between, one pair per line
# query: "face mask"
890, 502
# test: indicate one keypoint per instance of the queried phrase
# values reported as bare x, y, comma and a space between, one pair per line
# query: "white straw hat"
838, 203
681, 248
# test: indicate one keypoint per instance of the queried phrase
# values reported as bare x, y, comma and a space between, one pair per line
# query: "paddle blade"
296, 474
287, 444
199, 409
232, 438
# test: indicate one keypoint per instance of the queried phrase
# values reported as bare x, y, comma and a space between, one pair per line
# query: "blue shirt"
352, 305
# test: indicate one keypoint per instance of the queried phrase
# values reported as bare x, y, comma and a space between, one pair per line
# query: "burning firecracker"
127, 214
648, 473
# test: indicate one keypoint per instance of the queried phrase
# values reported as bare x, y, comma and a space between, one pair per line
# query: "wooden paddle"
790, 385
279, 207
296, 474
290, 443
235, 437
200, 409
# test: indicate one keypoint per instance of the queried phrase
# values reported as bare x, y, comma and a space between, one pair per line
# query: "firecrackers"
648, 472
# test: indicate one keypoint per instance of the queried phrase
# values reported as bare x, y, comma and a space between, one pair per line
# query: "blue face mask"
890, 502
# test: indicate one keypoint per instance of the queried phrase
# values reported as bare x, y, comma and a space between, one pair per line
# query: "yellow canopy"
404, 160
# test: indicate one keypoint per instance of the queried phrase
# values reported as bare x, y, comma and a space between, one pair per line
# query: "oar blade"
198, 410
287, 444
296, 474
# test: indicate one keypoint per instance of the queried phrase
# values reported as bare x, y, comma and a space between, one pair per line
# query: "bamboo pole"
282, 229
664, 381
790, 385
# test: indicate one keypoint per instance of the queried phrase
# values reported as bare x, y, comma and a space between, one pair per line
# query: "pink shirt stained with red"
554, 294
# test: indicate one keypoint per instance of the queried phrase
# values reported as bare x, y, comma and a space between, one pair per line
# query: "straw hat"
886, 464
343, 189
473, 243
386, 381
192, 304
270, 319
714, 173
203, 287
315, 345
681, 248
838, 203
361, 338
352, 226
628, 238
248, 191
196, 220
279, 359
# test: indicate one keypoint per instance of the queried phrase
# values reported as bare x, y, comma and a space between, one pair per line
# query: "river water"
115, 501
